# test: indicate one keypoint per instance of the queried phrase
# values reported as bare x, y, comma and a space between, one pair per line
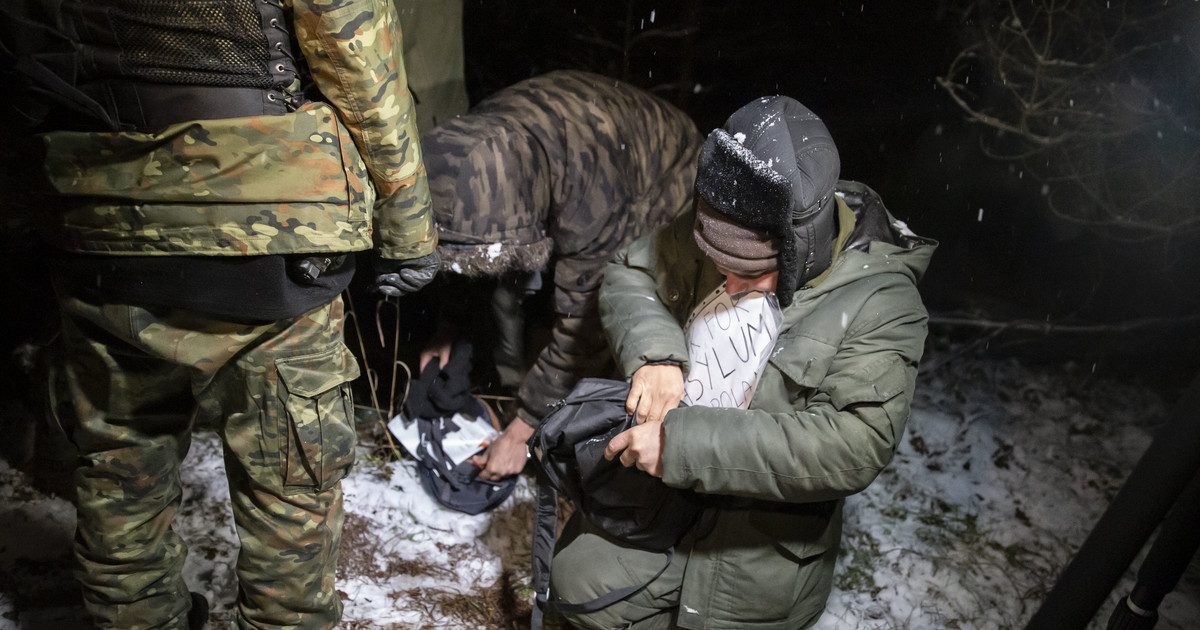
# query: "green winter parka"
827, 416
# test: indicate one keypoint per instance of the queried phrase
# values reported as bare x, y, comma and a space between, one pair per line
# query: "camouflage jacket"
334, 176
568, 165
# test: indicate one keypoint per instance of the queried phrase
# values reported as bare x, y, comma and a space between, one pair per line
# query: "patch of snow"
1001, 474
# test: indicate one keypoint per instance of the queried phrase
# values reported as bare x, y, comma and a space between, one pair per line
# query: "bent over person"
826, 404
211, 171
553, 174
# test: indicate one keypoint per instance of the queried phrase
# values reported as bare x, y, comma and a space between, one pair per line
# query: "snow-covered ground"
1001, 475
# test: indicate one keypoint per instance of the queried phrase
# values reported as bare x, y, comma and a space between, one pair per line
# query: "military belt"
145, 106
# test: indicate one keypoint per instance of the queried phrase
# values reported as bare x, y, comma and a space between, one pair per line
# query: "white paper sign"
729, 340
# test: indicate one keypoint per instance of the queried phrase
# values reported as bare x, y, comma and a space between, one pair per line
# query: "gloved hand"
394, 278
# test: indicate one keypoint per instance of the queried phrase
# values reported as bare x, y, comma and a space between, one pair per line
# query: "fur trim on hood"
494, 259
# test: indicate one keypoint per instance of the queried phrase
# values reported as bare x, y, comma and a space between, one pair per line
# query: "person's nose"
735, 285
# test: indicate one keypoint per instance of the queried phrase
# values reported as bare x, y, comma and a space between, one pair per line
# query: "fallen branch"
1057, 328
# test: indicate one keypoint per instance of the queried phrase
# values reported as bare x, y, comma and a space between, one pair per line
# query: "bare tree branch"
1096, 103
1059, 328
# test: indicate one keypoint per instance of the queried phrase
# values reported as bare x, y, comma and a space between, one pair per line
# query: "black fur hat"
773, 168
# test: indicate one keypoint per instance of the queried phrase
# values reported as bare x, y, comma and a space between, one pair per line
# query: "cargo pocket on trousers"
320, 438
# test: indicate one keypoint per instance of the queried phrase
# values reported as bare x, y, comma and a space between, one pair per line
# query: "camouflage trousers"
137, 380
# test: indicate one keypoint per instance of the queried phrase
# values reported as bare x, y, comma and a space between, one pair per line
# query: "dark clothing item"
148, 64
442, 392
456, 486
773, 167
626, 504
732, 246
236, 288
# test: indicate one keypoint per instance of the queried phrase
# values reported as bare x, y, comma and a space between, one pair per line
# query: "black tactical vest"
144, 64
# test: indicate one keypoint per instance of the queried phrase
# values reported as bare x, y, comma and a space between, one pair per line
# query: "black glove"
394, 278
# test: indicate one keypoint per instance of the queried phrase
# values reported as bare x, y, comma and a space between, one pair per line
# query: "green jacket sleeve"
641, 323
826, 418
353, 49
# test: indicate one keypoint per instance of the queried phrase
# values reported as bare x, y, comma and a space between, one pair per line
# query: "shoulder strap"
545, 521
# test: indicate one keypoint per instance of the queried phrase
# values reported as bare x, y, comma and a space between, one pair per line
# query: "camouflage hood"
569, 164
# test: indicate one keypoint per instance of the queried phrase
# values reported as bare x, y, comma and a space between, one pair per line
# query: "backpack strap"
545, 523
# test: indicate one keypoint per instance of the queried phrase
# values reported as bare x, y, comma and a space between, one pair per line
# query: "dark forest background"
1051, 146
1029, 263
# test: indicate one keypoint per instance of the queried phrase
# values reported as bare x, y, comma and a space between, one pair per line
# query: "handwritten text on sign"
728, 344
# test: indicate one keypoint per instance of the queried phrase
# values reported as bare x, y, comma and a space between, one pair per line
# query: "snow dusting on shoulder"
493, 251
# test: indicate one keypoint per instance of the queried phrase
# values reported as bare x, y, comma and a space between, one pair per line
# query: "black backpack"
628, 504
457, 487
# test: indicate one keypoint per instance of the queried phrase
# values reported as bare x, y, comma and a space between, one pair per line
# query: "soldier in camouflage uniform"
210, 173
555, 172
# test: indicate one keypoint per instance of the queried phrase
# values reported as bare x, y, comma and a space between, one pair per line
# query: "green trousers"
744, 577
137, 380
588, 565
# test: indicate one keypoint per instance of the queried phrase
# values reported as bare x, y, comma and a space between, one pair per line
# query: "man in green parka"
831, 397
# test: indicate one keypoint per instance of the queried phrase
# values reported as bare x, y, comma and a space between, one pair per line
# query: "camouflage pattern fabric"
337, 177
280, 397
568, 164
341, 175
355, 57
200, 188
